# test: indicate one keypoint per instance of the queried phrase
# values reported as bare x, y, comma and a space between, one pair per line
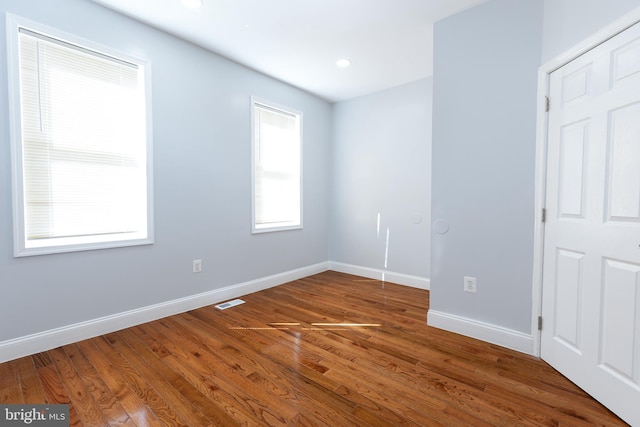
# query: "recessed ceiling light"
192, 4
343, 63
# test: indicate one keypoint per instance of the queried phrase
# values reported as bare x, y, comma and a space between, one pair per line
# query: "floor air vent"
229, 304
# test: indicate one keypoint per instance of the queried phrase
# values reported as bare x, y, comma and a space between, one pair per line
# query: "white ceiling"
390, 42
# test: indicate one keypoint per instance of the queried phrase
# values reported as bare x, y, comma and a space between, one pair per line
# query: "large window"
277, 167
80, 143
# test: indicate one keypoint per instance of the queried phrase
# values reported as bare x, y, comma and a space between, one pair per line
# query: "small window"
277, 167
80, 143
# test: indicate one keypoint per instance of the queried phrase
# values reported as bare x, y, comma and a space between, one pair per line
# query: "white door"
591, 276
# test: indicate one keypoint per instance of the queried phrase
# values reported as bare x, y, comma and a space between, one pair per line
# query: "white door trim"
544, 73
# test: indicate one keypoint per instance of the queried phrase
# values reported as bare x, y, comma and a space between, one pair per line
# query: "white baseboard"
483, 331
383, 275
46, 340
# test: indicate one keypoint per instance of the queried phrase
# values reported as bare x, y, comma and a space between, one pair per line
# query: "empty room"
320, 213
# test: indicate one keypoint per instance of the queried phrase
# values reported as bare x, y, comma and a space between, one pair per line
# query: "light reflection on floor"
277, 326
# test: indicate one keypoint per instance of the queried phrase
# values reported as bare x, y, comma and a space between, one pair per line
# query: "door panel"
624, 167
572, 168
591, 276
620, 303
569, 266
626, 61
576, 84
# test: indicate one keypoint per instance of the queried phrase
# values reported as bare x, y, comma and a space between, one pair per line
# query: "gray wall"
483, 154
485, 83
201, 114
568, 22
381, 165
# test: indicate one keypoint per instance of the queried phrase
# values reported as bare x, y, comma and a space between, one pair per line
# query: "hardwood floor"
327, 350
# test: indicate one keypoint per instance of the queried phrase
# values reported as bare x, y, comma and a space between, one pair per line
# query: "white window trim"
258, 230
13, 24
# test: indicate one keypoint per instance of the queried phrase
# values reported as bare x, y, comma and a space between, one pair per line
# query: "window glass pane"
277, 168
83, 145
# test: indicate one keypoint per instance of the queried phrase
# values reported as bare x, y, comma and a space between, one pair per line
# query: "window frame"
281, 226
75, 243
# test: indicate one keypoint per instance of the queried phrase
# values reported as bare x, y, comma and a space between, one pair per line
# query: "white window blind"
277, 168
83, 147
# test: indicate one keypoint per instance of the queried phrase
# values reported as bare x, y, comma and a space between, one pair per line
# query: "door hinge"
539, 323
547, 103
544, 215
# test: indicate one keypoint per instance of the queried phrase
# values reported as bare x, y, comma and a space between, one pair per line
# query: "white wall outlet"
197, 266
470, 284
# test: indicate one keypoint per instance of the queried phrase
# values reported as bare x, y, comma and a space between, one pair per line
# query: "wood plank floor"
328, 350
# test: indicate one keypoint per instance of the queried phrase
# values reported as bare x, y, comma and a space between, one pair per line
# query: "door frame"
544, 76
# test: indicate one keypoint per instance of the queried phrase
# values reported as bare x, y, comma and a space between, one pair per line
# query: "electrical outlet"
470, 284
197, 266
